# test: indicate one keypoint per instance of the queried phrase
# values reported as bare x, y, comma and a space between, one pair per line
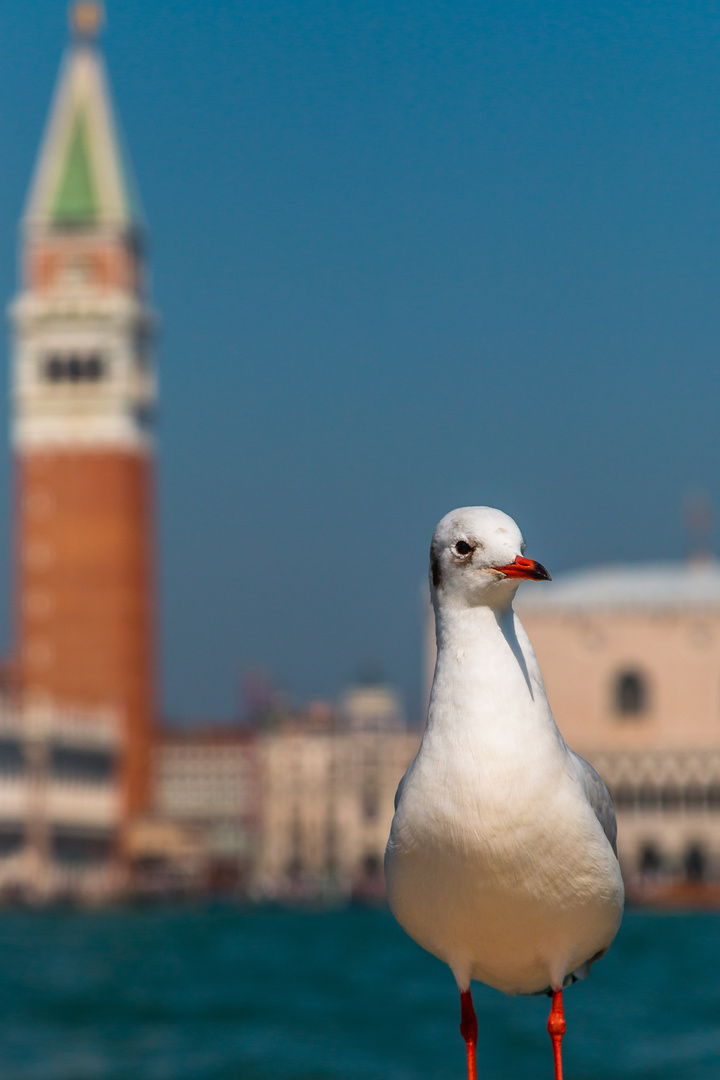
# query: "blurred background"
404, 258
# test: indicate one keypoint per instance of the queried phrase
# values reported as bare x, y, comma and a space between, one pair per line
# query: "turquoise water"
267, 995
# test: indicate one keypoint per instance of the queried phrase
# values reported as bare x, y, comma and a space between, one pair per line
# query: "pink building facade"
631, 661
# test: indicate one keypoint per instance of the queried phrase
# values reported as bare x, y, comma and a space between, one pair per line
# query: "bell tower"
83, 393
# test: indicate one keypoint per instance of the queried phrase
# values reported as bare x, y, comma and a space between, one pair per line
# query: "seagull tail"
577, 975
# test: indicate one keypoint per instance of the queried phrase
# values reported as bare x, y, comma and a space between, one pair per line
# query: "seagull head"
477, 556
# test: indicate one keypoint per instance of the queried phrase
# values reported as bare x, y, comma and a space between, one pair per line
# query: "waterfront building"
60, 806
83, 391
372, 706
327, 800
631, 660
208, 785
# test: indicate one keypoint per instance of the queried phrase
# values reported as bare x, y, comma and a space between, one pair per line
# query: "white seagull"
502, 852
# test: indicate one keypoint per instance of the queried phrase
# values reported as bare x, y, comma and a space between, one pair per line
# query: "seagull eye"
462, 548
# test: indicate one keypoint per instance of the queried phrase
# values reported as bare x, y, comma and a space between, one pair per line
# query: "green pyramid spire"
83, 176
75, 202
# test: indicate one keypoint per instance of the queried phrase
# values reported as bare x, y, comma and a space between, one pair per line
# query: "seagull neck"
470, 627
485, 669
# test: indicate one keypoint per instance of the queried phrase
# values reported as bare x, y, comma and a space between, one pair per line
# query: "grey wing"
398, 793
401, 785
599, 798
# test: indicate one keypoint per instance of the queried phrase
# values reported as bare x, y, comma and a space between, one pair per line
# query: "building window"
74, 367
369, 804
371, 867
12, 839
650, 860
695, 863
648, 797
670, 797
80, 847
630, 693
12, 757
695, 797
81, 765
624, 797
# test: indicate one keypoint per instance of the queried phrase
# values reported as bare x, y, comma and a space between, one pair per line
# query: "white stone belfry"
82, 367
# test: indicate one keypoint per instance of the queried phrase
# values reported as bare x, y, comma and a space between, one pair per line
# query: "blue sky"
408, 256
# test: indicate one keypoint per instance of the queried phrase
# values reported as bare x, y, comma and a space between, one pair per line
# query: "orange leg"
469, 1031
556, 1028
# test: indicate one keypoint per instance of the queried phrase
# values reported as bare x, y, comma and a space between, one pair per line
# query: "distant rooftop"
658, 586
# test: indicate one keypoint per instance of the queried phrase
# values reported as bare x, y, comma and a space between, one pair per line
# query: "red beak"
525, 568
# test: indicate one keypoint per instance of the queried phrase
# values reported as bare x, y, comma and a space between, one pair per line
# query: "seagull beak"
525, 568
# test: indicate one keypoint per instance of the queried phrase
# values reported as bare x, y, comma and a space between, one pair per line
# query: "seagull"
502, 857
